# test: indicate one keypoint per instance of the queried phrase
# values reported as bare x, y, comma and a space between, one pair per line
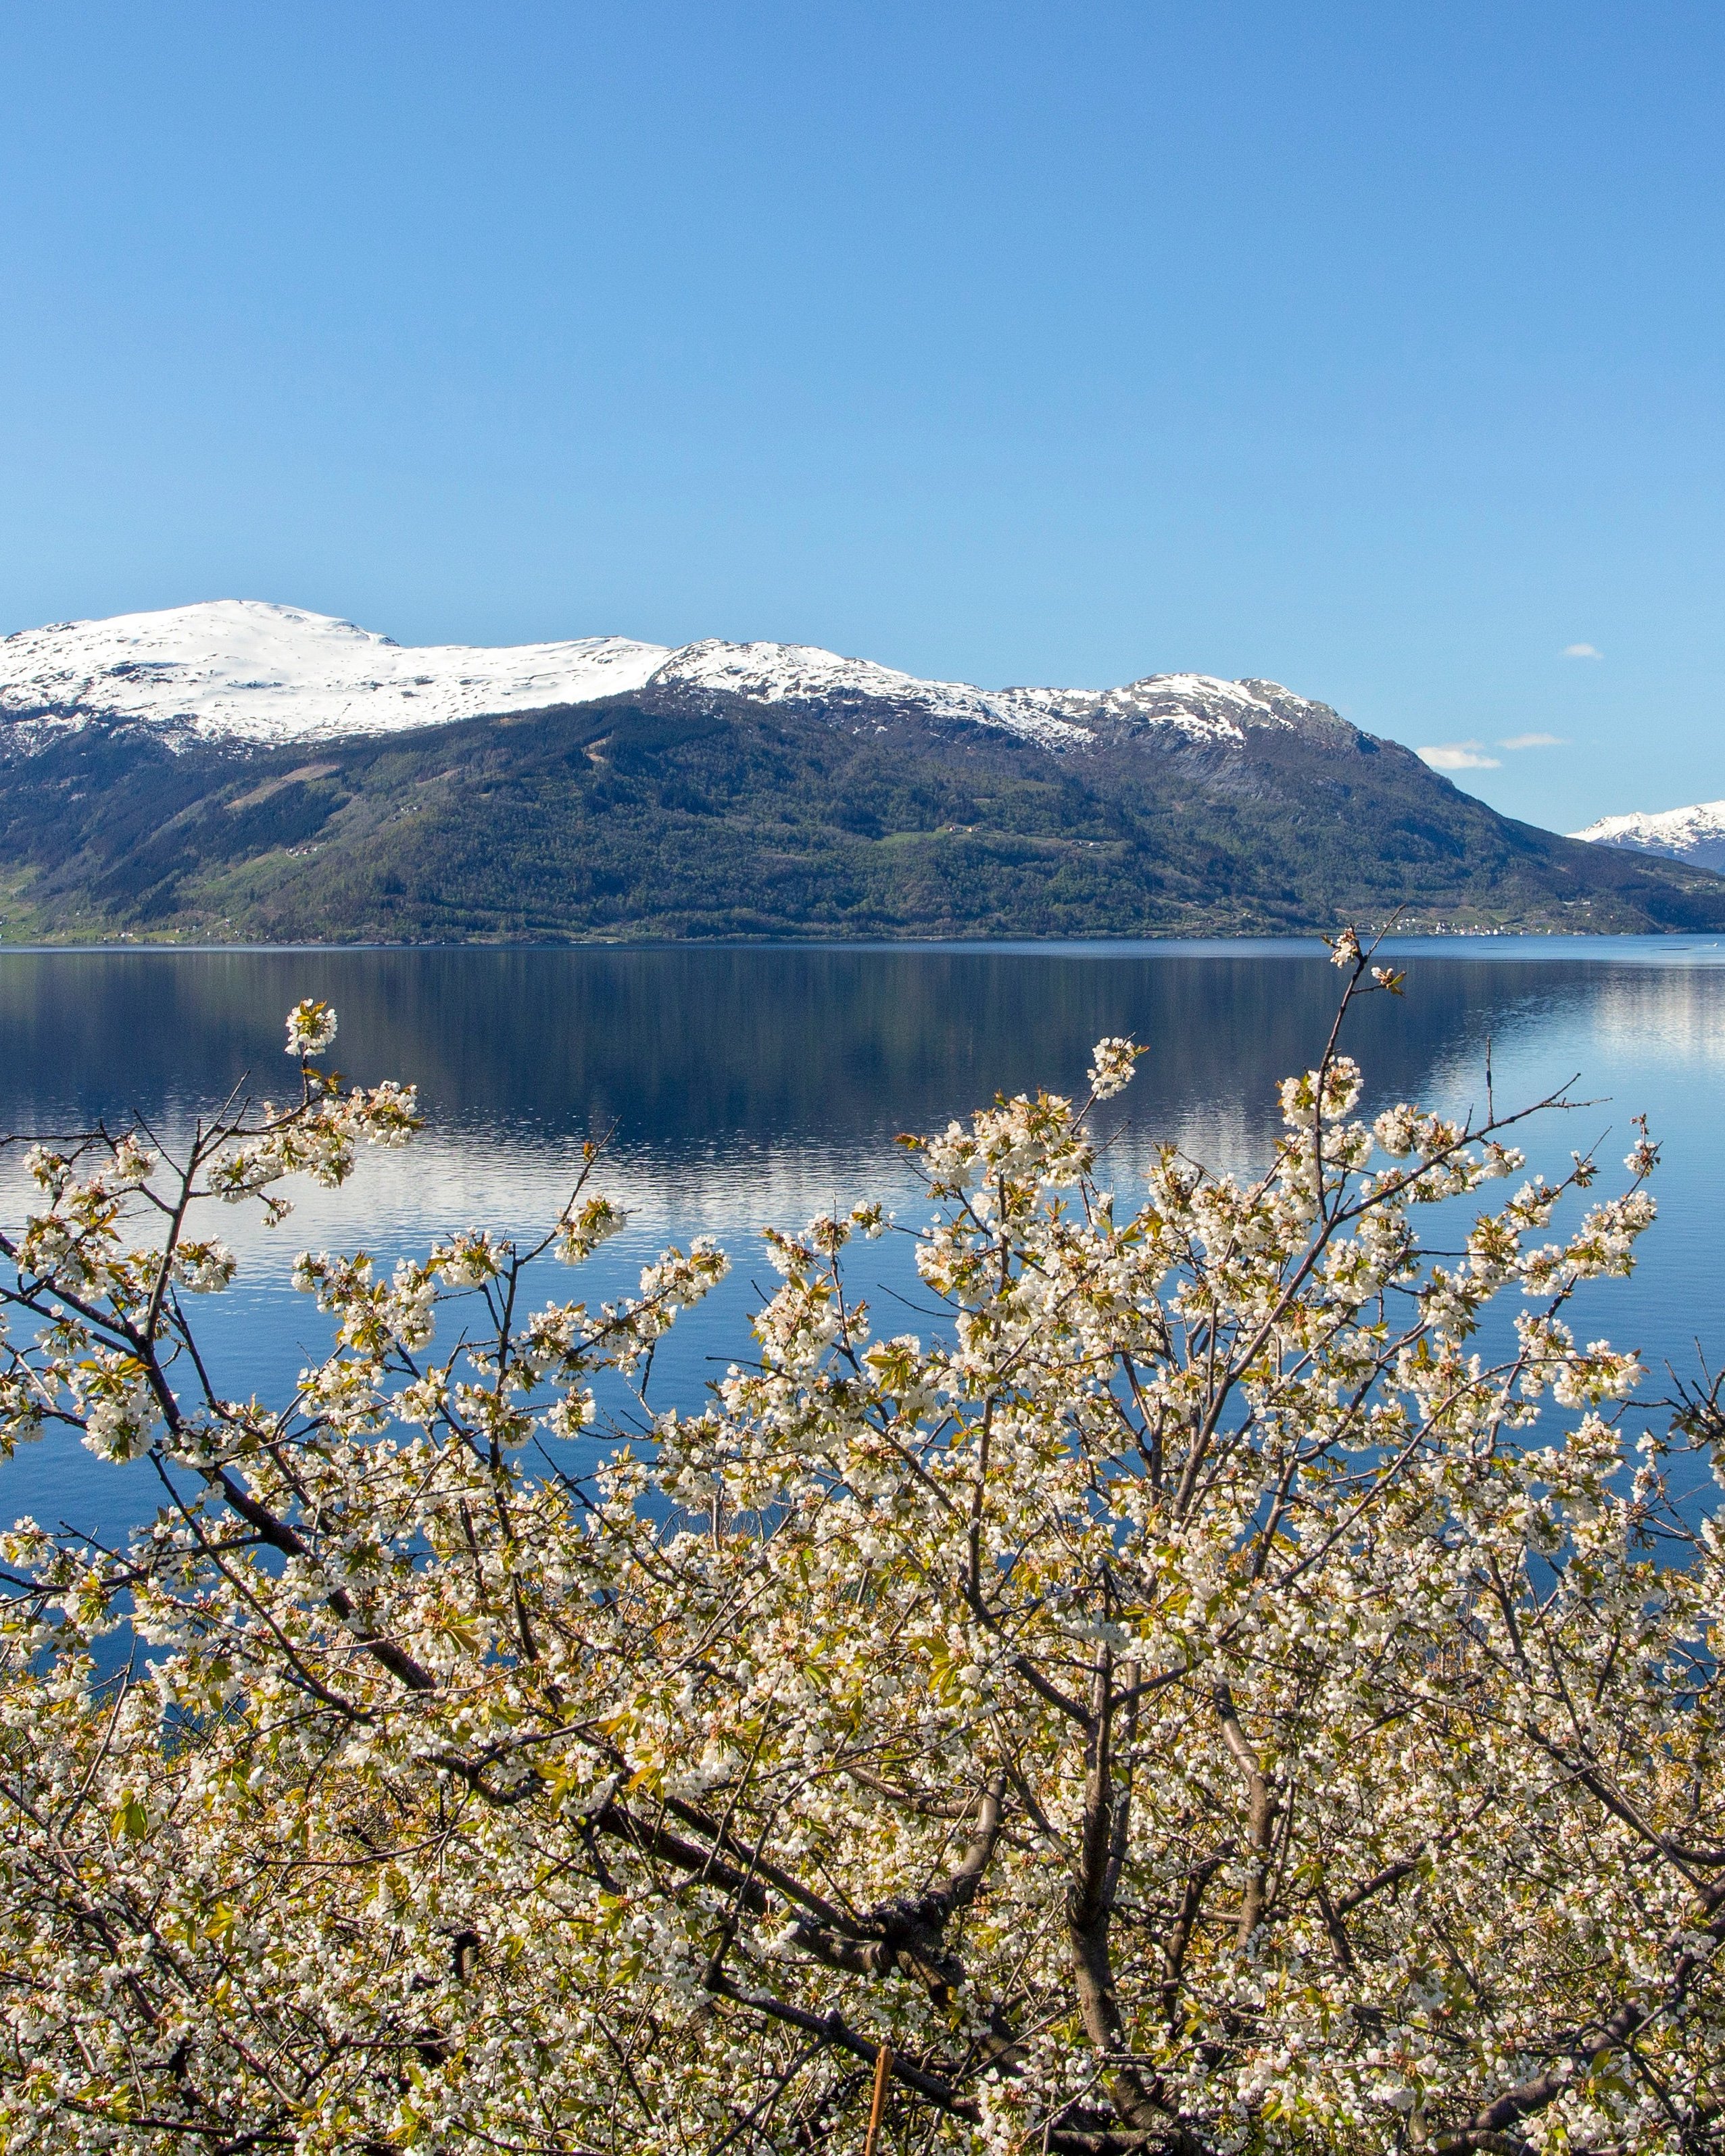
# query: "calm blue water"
742, 1086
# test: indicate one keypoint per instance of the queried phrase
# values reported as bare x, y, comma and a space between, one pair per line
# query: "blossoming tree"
1206, 1697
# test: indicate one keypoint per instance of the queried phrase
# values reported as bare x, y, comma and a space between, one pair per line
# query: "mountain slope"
239, 770
1695, 835
685, 810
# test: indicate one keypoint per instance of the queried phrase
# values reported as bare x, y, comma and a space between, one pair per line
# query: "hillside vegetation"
718, 817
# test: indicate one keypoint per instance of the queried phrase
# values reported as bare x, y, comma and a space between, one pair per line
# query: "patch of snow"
242, 670
802, 672
1202, 707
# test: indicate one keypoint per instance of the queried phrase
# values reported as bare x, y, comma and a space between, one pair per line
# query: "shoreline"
1598, 945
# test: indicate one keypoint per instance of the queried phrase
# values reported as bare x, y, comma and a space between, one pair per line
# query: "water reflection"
739, 1086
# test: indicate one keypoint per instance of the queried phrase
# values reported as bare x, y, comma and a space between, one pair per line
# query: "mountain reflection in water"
743, 1086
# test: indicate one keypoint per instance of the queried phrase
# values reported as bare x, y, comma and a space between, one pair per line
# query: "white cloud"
1532, 740
1581, 651
1460, 756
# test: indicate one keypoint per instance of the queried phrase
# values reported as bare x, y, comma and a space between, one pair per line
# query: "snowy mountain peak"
1695, 834
248, 671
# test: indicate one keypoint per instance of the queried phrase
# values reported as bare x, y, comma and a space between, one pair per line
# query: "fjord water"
736, 1087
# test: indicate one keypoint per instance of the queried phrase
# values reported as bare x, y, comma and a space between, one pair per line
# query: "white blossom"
1196, 1692
311, 1028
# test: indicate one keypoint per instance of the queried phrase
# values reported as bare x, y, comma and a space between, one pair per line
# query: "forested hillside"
686, 815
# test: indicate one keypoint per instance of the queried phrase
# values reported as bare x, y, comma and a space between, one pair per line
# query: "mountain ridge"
742, 791
251, 671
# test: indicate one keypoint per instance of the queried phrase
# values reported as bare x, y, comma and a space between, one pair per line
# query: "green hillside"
618, 820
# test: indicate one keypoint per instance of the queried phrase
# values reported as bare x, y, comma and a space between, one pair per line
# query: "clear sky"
1377, 349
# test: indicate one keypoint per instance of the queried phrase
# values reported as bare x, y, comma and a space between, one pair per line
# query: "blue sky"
1375, 349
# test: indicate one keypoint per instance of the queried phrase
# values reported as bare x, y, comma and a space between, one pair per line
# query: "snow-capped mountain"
245, 773
1695, 834
245, 671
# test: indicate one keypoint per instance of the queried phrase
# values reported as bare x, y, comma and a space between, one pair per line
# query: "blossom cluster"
1214, 1690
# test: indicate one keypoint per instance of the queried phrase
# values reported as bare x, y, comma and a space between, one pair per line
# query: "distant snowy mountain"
1695, 835
245, 671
